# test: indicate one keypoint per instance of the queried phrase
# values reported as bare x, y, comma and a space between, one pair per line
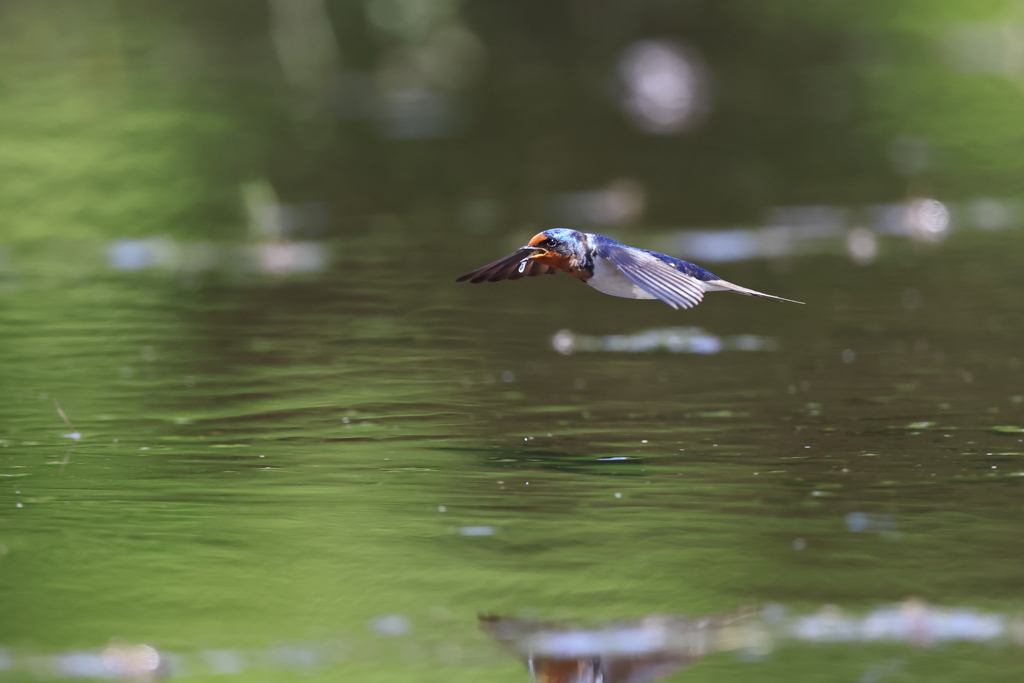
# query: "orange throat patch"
560, 263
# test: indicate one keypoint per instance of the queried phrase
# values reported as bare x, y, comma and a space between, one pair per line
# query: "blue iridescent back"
602, 244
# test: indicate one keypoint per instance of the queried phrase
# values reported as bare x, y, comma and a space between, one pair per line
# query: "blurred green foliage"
142, 118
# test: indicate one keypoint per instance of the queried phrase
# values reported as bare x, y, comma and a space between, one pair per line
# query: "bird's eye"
548, 243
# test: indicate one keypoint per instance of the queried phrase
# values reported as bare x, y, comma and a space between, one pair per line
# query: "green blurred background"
425, 109
229, 233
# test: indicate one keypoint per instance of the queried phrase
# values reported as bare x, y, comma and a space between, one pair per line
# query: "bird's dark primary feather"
507, 268
658, 277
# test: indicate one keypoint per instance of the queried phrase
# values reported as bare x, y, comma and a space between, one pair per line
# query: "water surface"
292, 462
250, 424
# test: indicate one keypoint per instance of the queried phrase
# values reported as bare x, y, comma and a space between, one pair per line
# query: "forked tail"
724, 286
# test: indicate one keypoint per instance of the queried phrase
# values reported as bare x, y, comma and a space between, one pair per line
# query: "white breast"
610, 280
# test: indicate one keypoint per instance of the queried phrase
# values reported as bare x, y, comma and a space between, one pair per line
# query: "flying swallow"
610, 267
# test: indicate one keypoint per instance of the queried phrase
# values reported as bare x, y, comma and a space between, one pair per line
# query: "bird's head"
566, 243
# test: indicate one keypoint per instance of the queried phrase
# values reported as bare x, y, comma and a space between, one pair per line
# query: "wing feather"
658, 278
506, 268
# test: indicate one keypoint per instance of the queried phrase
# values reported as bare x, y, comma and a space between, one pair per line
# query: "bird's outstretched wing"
508, 269
658, 278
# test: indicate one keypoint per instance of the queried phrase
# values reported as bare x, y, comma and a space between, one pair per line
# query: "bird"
612, 268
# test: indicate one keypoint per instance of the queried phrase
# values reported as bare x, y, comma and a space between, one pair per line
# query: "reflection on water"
620, 651
789, 232
635, 651
655, 647
671, 339
809, 230
274, 258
